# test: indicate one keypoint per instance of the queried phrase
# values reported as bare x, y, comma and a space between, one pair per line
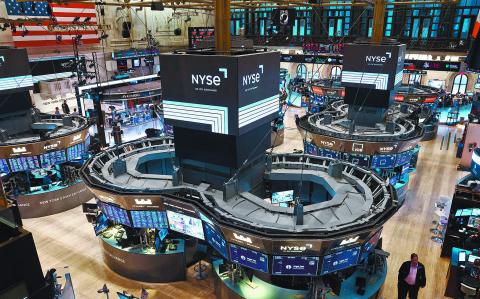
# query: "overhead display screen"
311, 149
404, 158
360, 160
370, 244
295, 265
340, 260
383, 161
249, 258
4, 166
115, 214
329, 153
52, 158
283, 196
149, 219
216, 240
76, 151
23, 163
185, 224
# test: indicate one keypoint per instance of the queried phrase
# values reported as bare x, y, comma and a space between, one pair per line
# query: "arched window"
460, 84
414, 79
302, 71
336, 73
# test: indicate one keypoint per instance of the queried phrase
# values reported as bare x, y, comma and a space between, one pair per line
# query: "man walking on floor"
411, 277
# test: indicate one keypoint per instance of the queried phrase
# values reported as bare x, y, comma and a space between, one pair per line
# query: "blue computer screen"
52, 158
404, 158
310, 149
249, 258
101, 224
370, 244
329, 153
76, 151
216, 240
4, 166
295, 265
185, 224
282, 196
383, 161
340, 260
360, 160
23, 163
149, 219
115, 214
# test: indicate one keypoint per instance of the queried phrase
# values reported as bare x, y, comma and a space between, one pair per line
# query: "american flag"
37, 34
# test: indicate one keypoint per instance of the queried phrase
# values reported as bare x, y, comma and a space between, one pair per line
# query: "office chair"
468, 291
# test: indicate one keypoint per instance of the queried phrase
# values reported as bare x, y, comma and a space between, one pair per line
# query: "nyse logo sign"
209, 80
242, 238
252, 78
378, 59
77, 137
349, 241
327, 143
19, 150
106, 198
295, 248
143, 202
51, 146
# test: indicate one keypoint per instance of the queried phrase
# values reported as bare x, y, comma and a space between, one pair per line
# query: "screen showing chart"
283, 196
76, 151
249, 258
4, 166
383, 161
216, 240
185, 224
115, 214
52, 158
101, 224
340, 260
149, 219
23, 163
295, 265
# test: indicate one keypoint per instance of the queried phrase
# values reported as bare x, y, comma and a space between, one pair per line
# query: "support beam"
222, 25
378, 21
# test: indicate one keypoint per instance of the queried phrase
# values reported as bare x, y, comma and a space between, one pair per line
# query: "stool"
200, 271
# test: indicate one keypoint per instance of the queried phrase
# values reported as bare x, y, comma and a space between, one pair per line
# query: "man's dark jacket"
421, 279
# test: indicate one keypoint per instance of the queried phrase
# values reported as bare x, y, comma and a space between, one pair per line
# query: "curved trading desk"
145, 264
225, 288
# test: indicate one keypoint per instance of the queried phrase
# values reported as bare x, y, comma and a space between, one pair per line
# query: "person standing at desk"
411, 277
65, 108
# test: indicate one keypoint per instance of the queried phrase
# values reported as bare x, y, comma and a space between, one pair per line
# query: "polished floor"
67, 240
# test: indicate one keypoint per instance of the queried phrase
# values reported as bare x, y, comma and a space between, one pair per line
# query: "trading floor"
66, 239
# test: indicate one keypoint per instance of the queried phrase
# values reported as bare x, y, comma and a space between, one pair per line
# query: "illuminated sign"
141, 201
19, 150
349, 241
242, 238
295, 248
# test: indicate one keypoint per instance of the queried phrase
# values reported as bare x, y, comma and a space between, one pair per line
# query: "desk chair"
468, 291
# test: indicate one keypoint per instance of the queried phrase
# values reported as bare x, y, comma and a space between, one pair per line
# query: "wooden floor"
68, 240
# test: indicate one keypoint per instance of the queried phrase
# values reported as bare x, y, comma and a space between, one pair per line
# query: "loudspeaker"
158, 6
119, 167
67, 121
335, 170
126, 27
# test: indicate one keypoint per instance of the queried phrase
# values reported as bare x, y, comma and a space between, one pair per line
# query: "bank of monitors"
215, 239
52, 158
149, 219
360, 160
383, 161
185, 224
295, 265
4, 166
249, 258
404, 158
76, 151
23, 163
340, 260
114, 213
282, 196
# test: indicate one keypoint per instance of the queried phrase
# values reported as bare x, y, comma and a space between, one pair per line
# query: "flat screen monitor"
372, 242
403, 158
52, 158
475, 165
282, 196
340, 260
24, 163
4, 166
115, 214
295, 265
205, 219
162, 234
249, 258
472, 258
393, 180
76, 151
101, 224
136, 62
185, 224
216, 240
311, 149
383, 161
329, 153
360, 160
405, 168
149, 219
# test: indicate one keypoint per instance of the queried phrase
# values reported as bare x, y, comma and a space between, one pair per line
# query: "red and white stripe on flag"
39, 35
476, 27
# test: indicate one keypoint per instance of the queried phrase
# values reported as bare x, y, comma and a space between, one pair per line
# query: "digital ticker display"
295, 265
52, 158
185, 224
115, 214
76, 151
340, 260
4, 166
383, 161
329, 153
23, 163
149, 219
216, 240
249, 258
